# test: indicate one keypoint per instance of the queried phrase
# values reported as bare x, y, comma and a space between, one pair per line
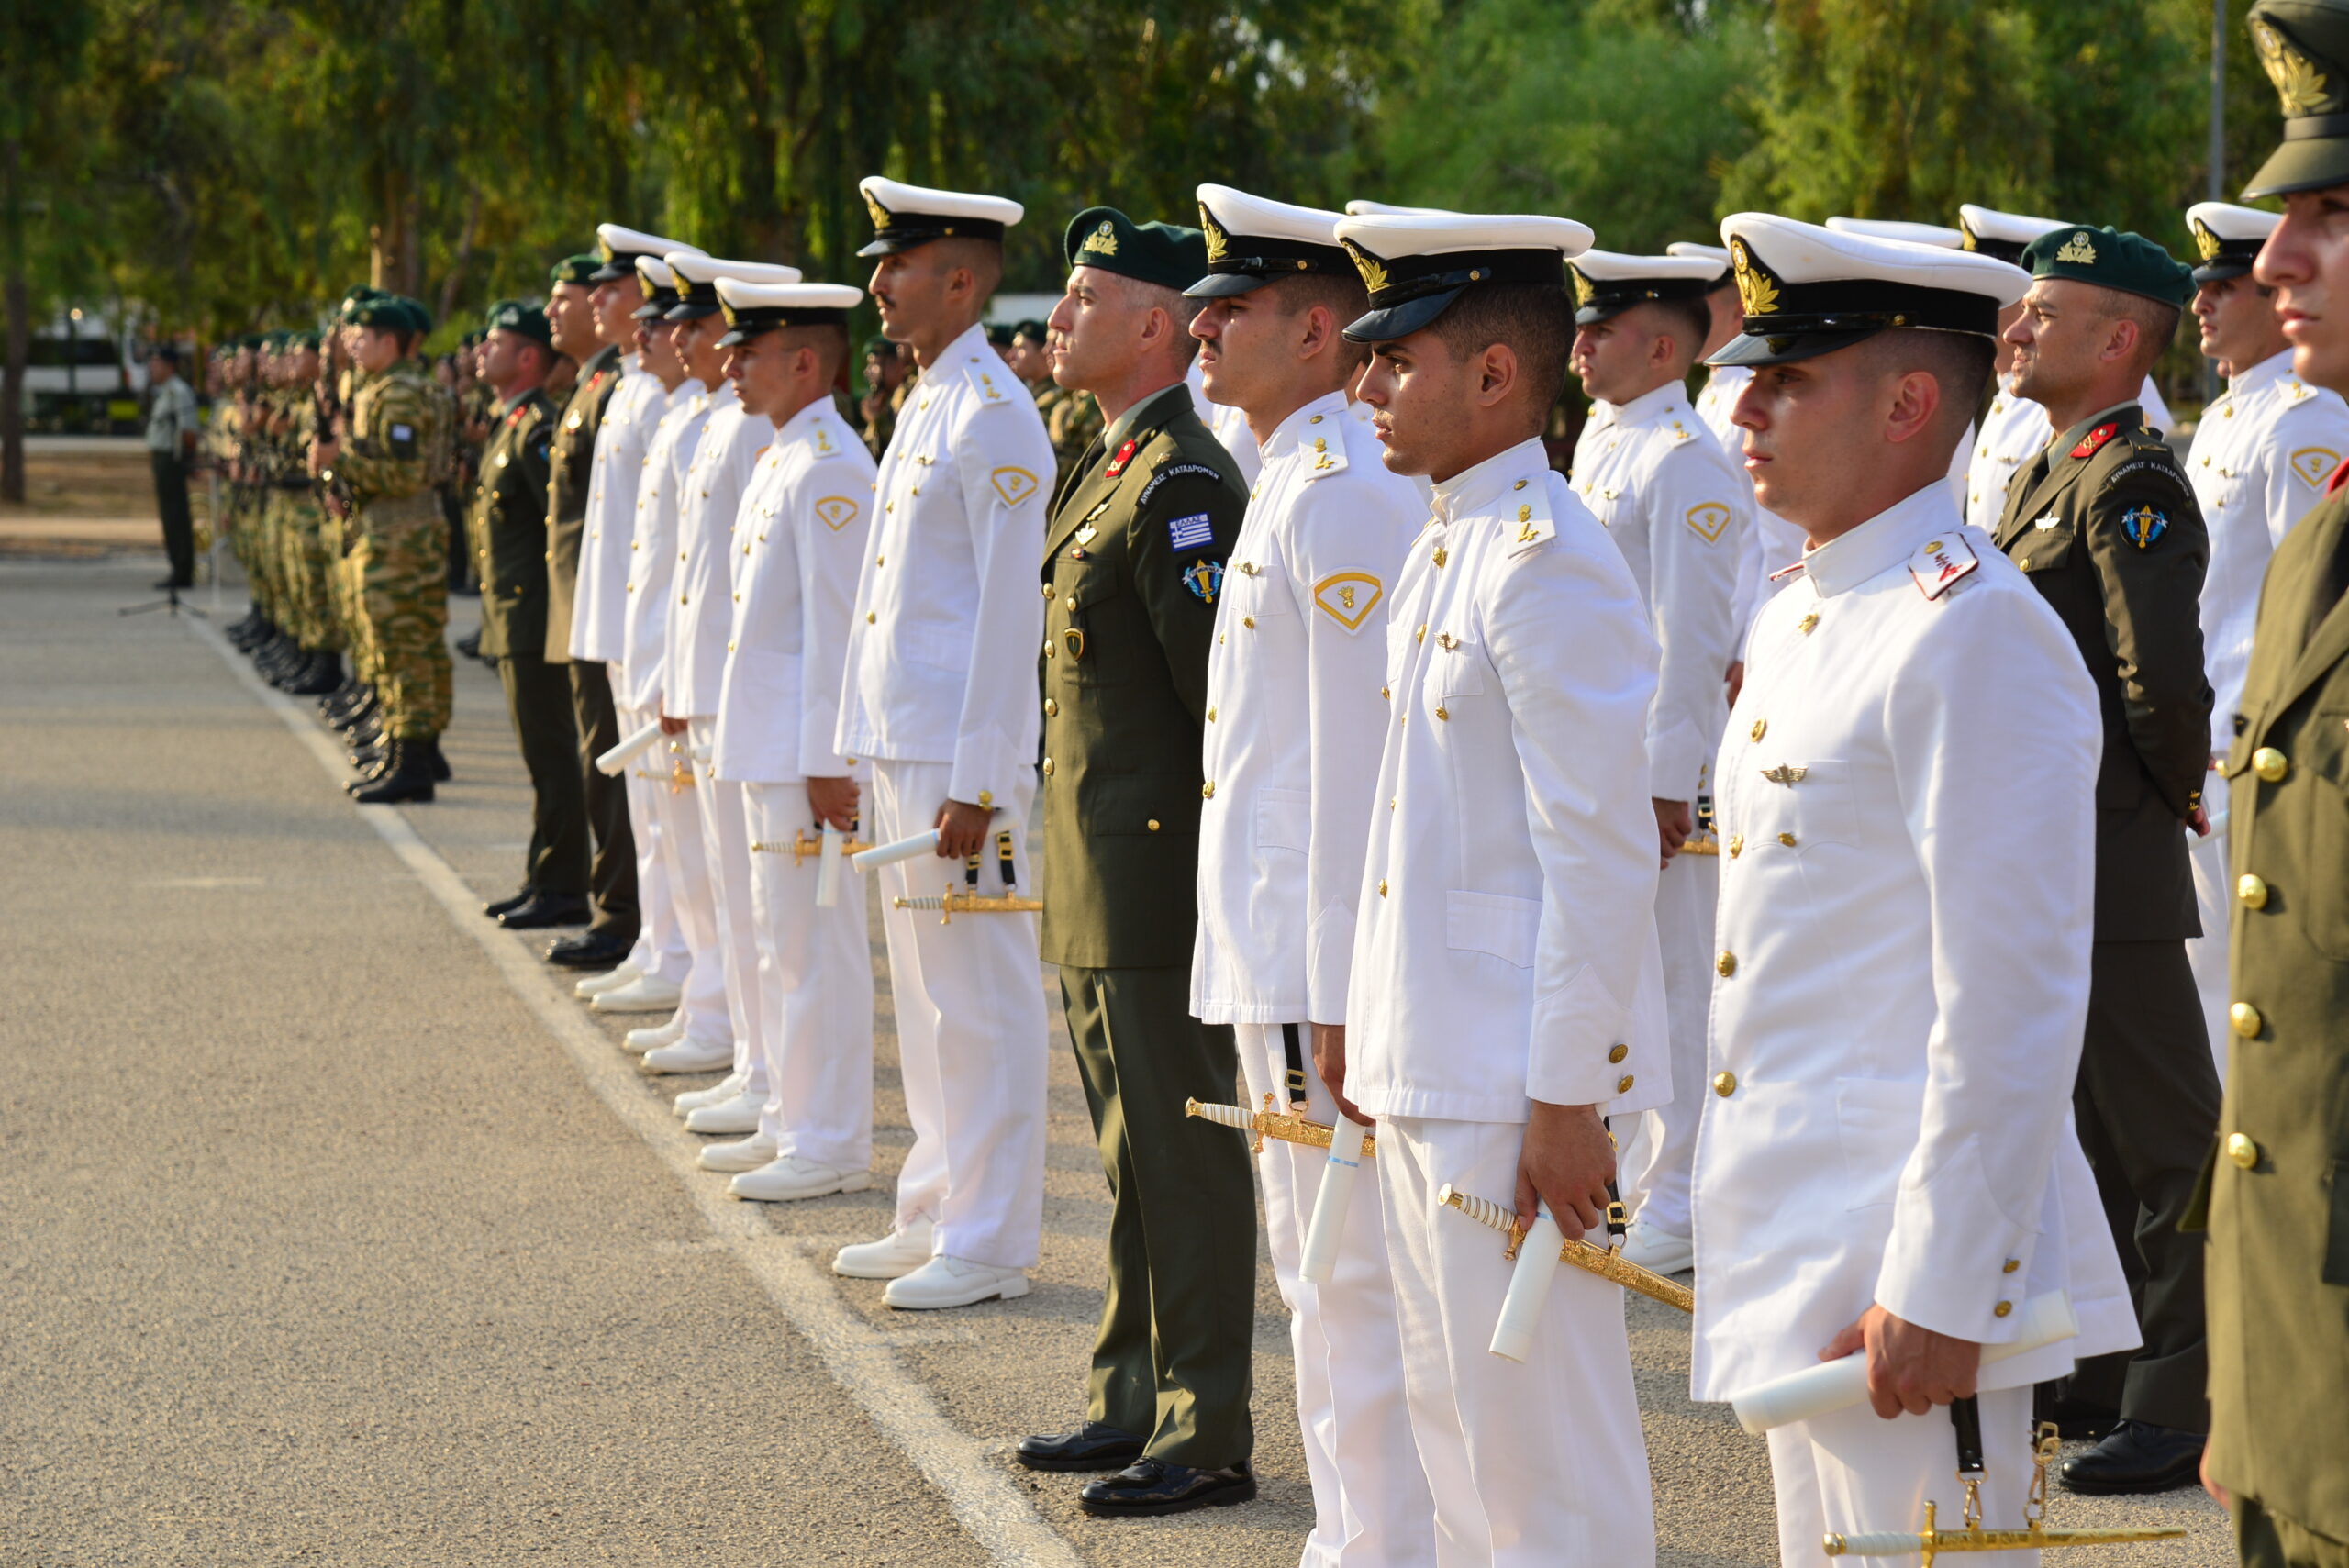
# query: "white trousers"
659, 941
1540, 1463
2214, 897
1661, 1157
686, 863
725, 843
1370, 1497
1854, 1471
815, 983
971, 1042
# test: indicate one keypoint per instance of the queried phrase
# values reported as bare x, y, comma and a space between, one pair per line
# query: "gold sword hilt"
951, 904
1604, 1261
1270, 1123
802, 846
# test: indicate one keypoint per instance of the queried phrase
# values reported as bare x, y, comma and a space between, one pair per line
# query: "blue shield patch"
2143, 527
1205, 579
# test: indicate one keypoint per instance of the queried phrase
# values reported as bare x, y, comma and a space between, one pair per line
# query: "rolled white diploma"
827, 870
881, 855
1529, 1288
616, 761
1835, 1385
1327, 1226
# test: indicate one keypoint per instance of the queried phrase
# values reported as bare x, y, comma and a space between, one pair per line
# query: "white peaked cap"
1808, 289
1892, 229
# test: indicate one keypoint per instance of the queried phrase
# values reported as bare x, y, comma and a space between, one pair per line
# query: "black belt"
1297, 1082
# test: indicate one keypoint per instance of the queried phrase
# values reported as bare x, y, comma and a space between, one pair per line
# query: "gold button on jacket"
2270, 764
1724, 1084
2241, 1150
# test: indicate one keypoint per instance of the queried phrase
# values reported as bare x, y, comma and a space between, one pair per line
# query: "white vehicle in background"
84, 375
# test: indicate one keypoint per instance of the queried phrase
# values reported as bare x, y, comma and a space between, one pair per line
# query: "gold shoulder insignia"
2315, 465
1710, 518
1103, 240
2078, 249
1014, 484
838, 512
1218, 241
2300, 85
1756, 294
880, 214
1374, 275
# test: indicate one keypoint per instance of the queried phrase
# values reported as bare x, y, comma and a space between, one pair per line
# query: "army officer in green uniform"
2106, 527
1133, 569
2279, 1192
508, 534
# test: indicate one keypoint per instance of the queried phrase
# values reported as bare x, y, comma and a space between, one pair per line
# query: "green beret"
2107, 257
880, 349
580, 269
1034, 331
1000, 333
1163, 253
390, 312
2304, 47
516, 316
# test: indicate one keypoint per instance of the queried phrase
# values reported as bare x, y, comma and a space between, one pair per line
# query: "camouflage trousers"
244, 543
398, 571
335, 537
301, 571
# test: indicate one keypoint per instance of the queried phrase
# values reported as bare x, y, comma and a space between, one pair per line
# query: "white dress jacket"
1295, 721
652, 552
1506, 947
695, 652
943, 648
599, 601
1904, 799
799, 542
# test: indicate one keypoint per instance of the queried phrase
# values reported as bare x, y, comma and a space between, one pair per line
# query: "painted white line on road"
861, 1358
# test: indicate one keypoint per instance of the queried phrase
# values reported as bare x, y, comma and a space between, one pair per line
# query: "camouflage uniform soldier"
394, 457
303, 561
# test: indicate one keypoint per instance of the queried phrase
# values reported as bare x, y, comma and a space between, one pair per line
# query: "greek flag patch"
1191, 532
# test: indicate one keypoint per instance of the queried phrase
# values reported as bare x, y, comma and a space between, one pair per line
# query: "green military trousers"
401, 566
2264, 1539
1171, 1361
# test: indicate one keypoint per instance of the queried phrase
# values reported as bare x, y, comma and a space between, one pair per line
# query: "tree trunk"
464, 258
19, 307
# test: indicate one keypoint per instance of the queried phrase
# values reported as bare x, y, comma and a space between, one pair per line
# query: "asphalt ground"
336, 1233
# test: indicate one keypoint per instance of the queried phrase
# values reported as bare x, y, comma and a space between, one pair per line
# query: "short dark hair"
1536, 320
830, 339
1960, 362
1341, 294
1690, 321
2156, 322
983, 257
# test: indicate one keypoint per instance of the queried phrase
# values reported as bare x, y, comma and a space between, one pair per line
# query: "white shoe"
1657, 1249
739, 1113
688, 1055
717, 1094
954, 1282
746, 1155
611, 980
645, 993
639, 1041
898, 1253
791, 1178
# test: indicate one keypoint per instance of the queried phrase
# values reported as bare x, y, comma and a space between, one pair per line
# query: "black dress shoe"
542, 909
592, 950
1097, 1445
511, 901
2136, 1457
1153, 1486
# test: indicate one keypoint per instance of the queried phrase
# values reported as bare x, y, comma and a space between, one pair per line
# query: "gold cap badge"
1756, 294
1218, 241
2078, 250
2300, 85
1103, 239
881, 218
1374, 274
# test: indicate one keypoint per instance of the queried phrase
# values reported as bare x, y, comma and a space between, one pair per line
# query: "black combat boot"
322, 673
408, 777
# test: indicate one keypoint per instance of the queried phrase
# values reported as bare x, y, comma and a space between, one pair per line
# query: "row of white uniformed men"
1575, 961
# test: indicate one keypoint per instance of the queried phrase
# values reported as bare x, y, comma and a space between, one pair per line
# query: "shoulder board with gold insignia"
1525, 513
824, 440
1325, 455
1940, 562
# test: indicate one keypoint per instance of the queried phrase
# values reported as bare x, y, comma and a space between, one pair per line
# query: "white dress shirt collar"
1477, 490
1289, 434
2274, 367
1883, 542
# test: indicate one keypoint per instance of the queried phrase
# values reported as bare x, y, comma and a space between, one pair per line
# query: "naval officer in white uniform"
2262, 456
798, 542
2015, 430
1507, 996
1680, 511
1886, 1165
940, 694
1292, 742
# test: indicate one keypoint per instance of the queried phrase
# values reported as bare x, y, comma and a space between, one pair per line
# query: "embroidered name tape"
1191, 532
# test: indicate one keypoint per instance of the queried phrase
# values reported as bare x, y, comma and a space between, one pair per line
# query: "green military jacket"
2278, 1283
574, 457
2107, 528
508, 528
397, 446
1133, 574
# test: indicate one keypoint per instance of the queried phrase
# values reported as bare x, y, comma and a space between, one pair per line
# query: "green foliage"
1623, 114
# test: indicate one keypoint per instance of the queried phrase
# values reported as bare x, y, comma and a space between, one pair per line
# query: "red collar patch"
2095, 438
1125, 455
2340, 476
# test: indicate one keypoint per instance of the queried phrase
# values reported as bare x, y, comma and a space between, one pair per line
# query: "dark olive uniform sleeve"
1180, 588
2148, 548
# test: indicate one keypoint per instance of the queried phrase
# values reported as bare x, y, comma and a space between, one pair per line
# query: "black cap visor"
907, 231
1223, 285
1401, 320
